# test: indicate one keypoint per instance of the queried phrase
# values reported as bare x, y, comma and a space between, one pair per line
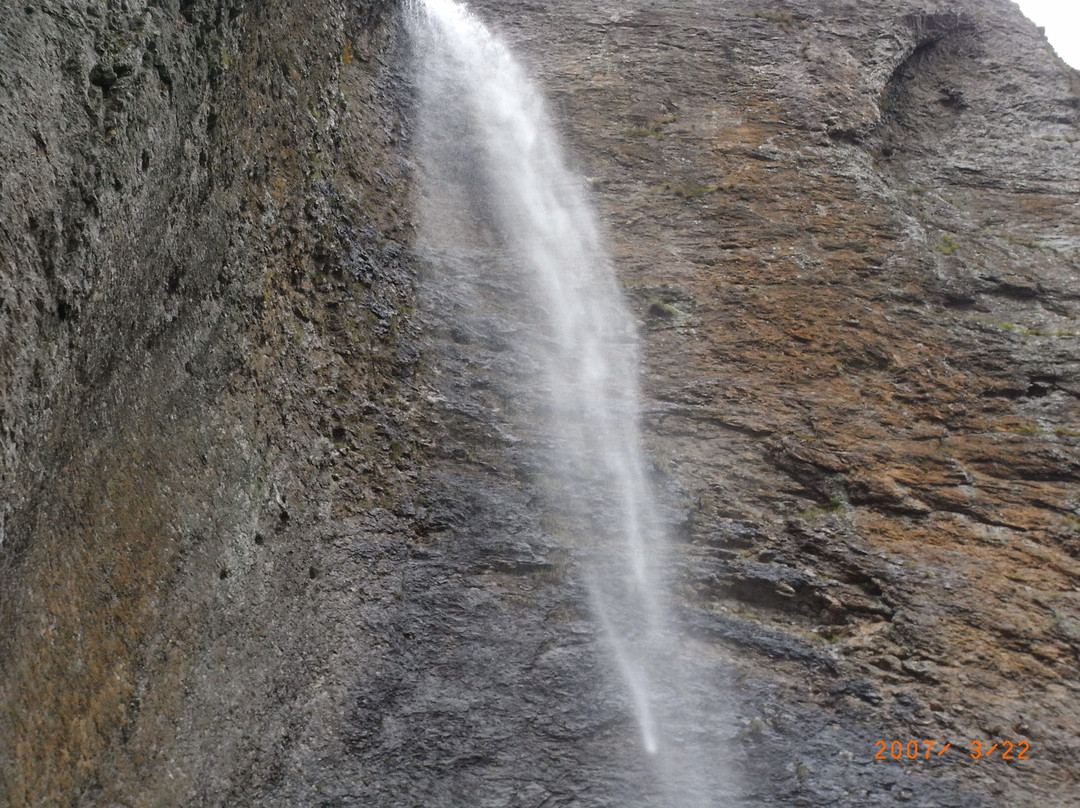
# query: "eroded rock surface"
274, 524
201, 291
850, 234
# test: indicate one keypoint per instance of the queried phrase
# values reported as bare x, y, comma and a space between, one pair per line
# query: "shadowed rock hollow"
274, 523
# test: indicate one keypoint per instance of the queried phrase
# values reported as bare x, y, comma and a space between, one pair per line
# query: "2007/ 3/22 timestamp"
916, 750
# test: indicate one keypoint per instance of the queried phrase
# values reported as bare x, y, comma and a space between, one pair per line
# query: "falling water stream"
493, 170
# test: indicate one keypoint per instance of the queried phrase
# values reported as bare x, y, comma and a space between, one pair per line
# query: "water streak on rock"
495, 177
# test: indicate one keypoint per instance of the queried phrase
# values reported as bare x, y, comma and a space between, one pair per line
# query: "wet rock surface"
276, 527
204, 390
859, 354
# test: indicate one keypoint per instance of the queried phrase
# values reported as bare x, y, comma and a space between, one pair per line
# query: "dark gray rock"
276, 527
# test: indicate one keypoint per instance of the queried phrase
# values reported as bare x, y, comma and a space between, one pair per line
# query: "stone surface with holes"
273, 532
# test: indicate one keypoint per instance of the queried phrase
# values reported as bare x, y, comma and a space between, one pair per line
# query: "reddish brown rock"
868, 219
267, 540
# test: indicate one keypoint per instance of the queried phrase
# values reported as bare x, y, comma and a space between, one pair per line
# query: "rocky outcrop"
201, 295
850, 233
274, 525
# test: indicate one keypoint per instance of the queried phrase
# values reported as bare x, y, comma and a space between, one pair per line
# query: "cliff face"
274, 534
851, 234
200, 298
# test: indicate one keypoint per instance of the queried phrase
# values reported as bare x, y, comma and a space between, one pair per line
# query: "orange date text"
924, 750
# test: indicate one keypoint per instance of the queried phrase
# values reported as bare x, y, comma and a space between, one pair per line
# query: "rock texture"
201, 295
273, 526
851, 234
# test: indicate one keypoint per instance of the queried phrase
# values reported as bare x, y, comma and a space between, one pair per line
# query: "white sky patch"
1061, 19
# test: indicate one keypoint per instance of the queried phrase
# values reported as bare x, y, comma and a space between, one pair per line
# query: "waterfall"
495, 177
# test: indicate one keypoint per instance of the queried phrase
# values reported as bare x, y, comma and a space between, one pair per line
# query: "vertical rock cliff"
274, 531
203, 214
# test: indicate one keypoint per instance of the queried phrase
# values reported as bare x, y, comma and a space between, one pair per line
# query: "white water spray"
494, 171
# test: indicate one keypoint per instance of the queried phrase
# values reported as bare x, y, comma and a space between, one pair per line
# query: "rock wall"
202, 211
851, 235
274, 533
